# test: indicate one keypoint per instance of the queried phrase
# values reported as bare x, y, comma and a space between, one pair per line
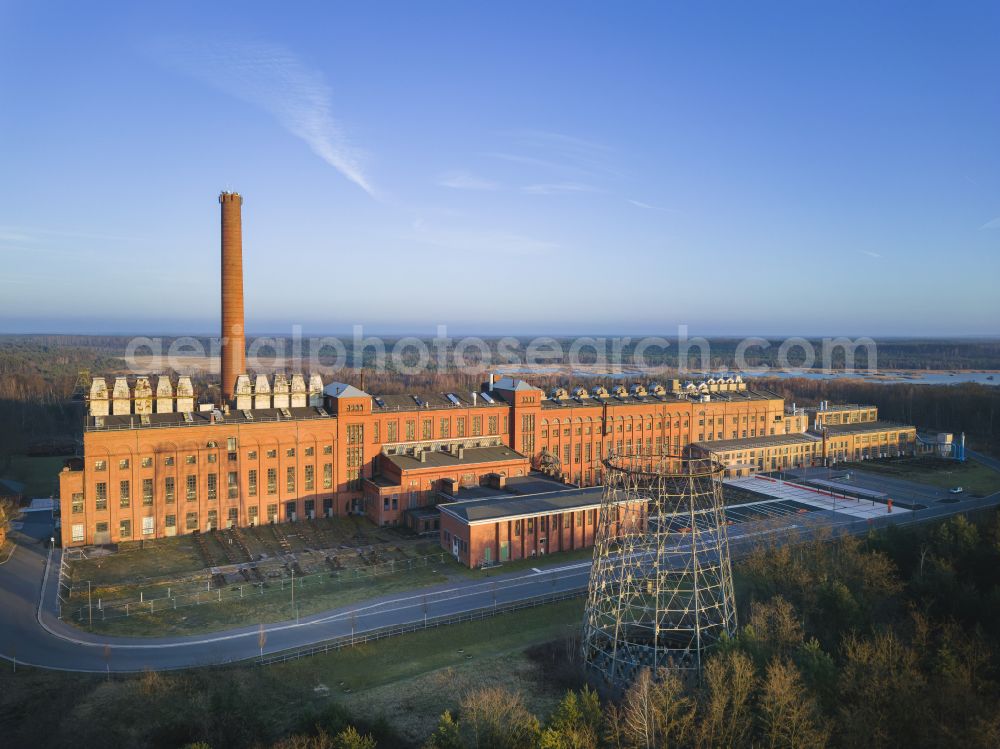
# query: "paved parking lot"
814, 497
899, 490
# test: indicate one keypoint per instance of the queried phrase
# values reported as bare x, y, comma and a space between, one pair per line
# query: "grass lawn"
274, 605
556, 559
431, 675
163, 558
973, 477
397, 687
335, 562
40, 476
389, 661
121, 576
176, 564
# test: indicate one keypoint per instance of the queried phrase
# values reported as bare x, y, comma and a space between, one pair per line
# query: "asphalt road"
34, 635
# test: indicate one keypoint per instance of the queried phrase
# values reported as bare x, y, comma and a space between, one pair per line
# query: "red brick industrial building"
281, 449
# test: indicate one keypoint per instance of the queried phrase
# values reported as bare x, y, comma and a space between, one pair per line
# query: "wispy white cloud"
36, 235
994, 224
647, 206
36, 242
869, 253
548, 137
532, 161
272, 78
556, 188
7, 235
484, 243
460, 180
567, 152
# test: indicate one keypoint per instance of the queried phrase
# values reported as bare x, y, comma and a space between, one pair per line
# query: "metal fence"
381, 633
140, 604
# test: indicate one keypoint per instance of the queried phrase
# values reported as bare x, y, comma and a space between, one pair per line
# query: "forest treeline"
892, 353
38, 377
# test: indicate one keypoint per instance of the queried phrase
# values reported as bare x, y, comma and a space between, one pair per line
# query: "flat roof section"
433, 402
533, 483
840, 407
203, 418
749, 443
861, 427
728, 396
440, 459
499, 508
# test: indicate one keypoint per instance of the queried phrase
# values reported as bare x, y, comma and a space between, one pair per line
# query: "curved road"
31, 632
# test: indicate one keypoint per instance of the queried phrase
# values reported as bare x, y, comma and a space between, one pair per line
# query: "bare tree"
788, 713
495, 718
730, 679
657, 712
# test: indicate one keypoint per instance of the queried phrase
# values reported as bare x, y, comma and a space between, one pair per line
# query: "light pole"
293, 597
90, 606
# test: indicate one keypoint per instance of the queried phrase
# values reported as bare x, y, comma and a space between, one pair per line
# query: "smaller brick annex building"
502, 528
505, 528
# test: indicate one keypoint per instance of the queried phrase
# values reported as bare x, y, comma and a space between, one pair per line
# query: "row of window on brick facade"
192, 459
170, 521
191, 487
427, 429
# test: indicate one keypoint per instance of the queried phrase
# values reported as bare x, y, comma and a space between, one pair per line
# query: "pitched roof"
510, 383
343, 390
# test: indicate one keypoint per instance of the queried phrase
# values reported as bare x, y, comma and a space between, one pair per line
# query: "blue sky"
745, 168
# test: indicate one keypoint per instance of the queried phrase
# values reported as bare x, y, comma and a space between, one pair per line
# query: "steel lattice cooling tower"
661, 586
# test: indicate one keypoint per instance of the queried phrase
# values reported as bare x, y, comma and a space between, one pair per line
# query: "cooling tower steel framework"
661, 584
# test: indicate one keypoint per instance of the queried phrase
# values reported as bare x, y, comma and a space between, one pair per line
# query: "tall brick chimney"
233, 336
